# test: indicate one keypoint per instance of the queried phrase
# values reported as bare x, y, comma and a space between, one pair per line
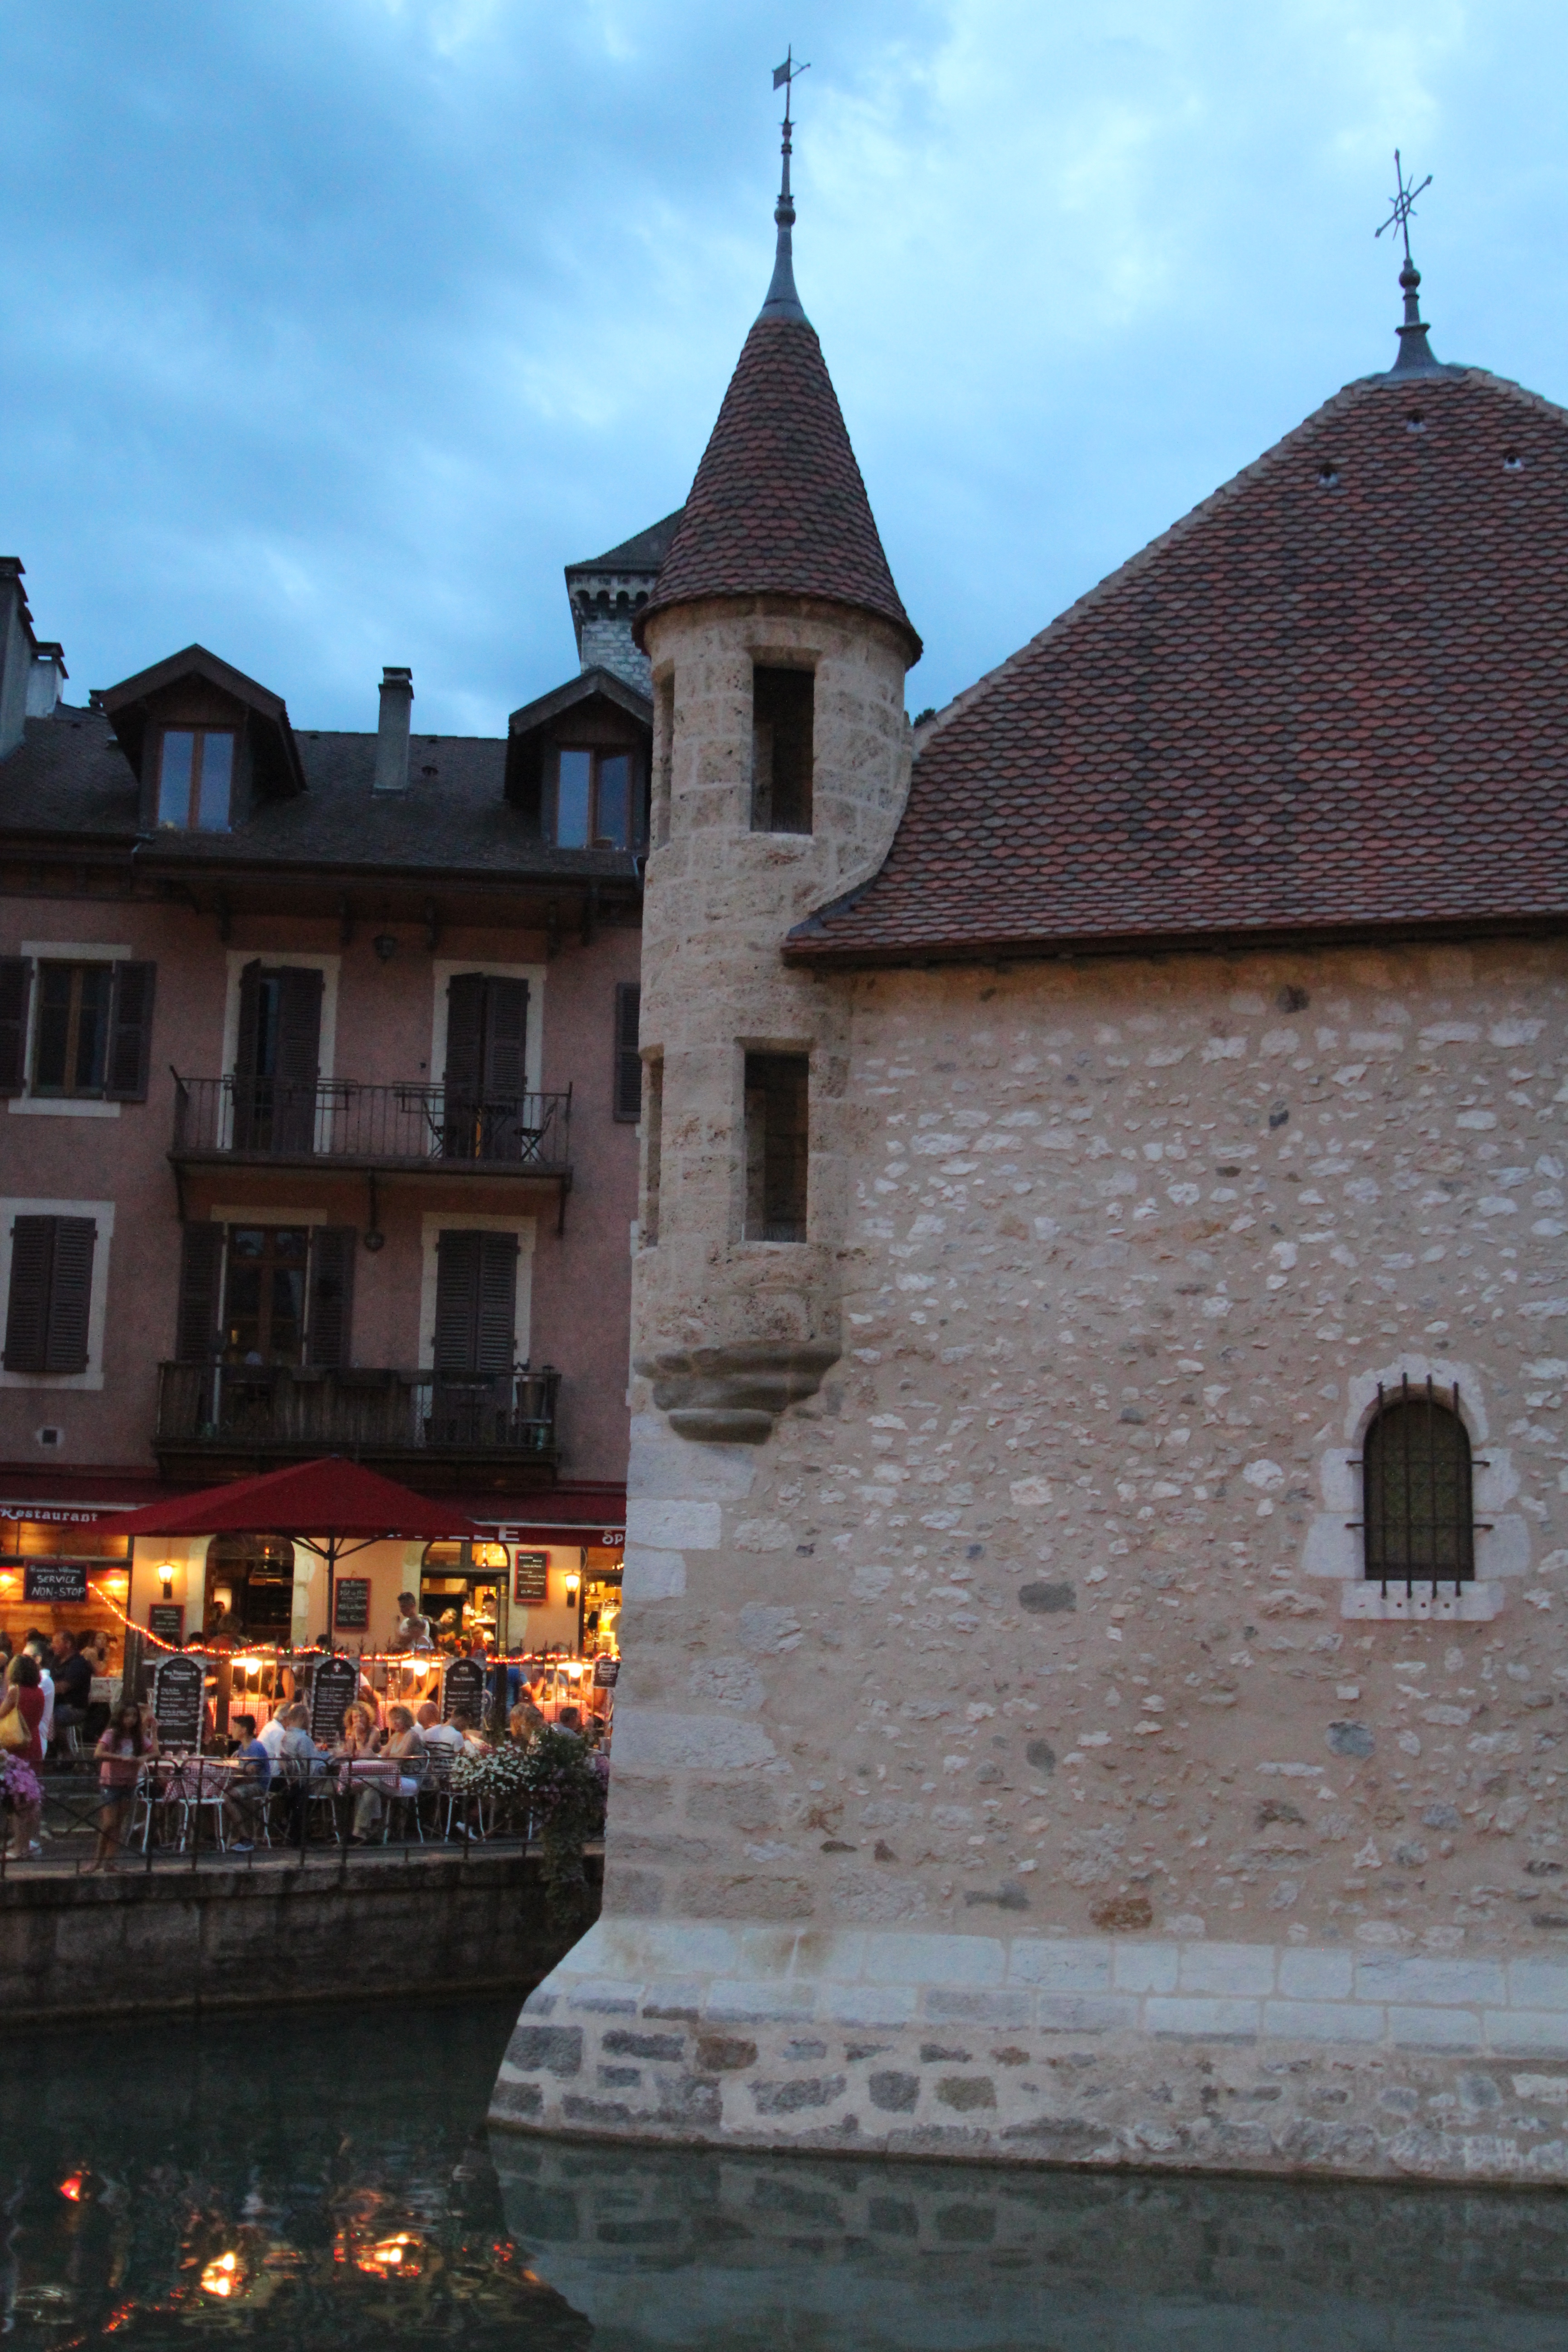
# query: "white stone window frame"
300, 959
102, 1214
61, 1105
1335, 1544
448, 968
437, 1221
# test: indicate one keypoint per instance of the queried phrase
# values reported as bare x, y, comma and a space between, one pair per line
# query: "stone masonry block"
736, 2003
869, 2004
1071, 1966
948, 2007
1227, 1967
1525, 2033
1415, 2028
1431, 1981
1323, 2020
675, 1526
1146, 1968
925, 1959
1310, 1975
835, 1956
1538, 1984
619, 2043
546, 2049
1203, 2021
894, 2092
1087, 2012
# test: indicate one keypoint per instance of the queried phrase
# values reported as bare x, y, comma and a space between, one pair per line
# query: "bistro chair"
194, 1789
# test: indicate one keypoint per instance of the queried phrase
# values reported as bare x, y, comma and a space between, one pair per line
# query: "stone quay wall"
166, 1942
1043, 1623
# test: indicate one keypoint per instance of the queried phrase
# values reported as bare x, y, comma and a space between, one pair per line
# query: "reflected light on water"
223, 2276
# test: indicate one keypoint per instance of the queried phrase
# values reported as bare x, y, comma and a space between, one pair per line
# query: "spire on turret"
782, 301
1416, 356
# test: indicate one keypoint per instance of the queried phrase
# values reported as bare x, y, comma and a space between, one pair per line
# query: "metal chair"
196, 1791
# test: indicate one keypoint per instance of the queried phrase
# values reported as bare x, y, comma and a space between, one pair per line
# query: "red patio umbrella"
333, 1507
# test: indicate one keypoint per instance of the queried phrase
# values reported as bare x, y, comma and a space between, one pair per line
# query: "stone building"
1097, 1514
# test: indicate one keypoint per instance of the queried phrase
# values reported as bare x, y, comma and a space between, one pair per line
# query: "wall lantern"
573, 1584
166, 1578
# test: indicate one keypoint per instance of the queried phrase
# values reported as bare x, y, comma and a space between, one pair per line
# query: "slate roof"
643, 553
69, 779
778, 506
1333, 699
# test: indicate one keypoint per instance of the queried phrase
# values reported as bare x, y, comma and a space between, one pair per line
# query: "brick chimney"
392, 733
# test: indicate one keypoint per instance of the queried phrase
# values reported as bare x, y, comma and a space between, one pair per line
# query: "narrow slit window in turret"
782, 711
777, 1138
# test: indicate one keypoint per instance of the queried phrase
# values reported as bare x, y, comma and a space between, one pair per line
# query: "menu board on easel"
463, 1689
333, 1688
179, 1685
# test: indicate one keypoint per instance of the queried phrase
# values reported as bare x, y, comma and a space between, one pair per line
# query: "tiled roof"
70, 781
1332, 700
643, 553
778, 506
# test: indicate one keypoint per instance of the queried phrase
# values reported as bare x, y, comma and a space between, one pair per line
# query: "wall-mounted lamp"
375, 1240
573, 1584
386, 946
166, 1578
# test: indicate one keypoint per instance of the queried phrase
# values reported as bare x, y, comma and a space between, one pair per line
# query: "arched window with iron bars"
1418, 1515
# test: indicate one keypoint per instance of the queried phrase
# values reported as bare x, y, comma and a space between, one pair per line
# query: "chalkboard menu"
606, 1673
54, 1580
530, 1577
166, 1619
463, 1686
351, 1603
335, 1686
178, 1684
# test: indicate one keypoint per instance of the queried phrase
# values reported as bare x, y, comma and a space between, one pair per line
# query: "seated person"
569, 1719
406, 1750
247, 1787
468, 1733
434, 1732
361, 1733
525, 1722
73, 1683
296, 1747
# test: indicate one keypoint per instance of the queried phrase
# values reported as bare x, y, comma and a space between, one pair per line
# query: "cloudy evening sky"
333, 328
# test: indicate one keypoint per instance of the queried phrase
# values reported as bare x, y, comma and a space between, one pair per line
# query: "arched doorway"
250, 1587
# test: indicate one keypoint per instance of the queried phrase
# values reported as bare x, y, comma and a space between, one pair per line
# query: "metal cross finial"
1404, 204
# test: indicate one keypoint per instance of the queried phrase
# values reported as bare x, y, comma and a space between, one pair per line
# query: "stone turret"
778, 645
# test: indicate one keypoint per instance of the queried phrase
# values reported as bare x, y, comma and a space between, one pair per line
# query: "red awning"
325, 1501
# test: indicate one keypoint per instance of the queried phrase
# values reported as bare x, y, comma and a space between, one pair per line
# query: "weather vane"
1403, 203
785, 79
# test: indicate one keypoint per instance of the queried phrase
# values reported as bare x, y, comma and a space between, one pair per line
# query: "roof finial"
1416, 353
782, 301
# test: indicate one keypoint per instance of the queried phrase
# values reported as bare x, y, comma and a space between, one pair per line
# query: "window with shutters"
196, 778
75, 1029
782, 750
777, 1139
1420, 1513
475, 1302
485, 1112
278, 1056
628, 1064
49, 1306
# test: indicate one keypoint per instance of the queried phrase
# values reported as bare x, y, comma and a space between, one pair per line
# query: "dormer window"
195, 775
593, 799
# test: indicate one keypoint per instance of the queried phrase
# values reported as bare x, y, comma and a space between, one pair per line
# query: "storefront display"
51, 1560
463, 1591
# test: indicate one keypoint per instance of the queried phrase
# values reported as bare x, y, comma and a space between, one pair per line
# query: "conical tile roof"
778, 506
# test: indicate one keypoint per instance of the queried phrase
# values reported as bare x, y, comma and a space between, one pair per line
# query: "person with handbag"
21, 1733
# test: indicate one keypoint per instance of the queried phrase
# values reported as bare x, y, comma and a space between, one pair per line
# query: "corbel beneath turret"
733, 1395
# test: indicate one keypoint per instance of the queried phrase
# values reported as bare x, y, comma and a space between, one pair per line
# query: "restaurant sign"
606, 1673
333, 1689
530, 1578
166, 1621
463, 1687
350, 1603
54, 1580
178, 1687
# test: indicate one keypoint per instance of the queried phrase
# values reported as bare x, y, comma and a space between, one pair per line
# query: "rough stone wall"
1038, 1619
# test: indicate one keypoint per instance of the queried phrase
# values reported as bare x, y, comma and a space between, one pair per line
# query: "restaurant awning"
326, 1506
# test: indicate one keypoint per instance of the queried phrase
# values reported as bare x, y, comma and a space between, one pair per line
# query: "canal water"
326, 2180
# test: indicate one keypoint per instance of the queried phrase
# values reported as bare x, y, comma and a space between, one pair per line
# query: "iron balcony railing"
397, 1126
298, 1409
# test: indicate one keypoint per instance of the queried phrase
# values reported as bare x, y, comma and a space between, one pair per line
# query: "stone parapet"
1096, 2051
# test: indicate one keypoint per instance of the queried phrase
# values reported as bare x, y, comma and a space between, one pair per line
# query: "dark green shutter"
15, 994
299, 1061
130, 1032
251, 1106
628, 1065
332, 1252
71, 1294
475, 1302
50, 1297
495, 1336
506, 1040
200, 1279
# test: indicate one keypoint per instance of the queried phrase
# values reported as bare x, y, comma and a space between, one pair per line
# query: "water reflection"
302, 2183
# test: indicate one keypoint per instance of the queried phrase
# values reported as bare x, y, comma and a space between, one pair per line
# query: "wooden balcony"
433, 1428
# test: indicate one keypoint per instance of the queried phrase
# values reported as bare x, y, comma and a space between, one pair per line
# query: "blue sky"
333, 328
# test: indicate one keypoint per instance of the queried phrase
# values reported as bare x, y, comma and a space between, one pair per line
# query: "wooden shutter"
456, 1300
464, 1074
475, 1302
299, 1062
130, 1032
15, 994
506, 1040
71, 1294
51, 1294
27, 1307
495, 1336
628, 1067
200, 1276
250, 1117
333, 1253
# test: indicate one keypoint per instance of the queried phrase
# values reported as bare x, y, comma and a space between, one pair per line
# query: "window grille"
1419, 1519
